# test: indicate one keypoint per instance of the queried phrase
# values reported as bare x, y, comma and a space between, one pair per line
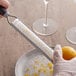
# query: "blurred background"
13, 45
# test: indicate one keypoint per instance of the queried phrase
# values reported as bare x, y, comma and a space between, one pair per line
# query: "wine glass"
71, 33
45, 26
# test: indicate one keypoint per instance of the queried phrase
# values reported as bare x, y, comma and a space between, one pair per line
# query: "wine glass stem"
46, 13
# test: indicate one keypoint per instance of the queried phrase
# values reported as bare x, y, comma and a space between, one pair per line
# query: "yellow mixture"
40, 66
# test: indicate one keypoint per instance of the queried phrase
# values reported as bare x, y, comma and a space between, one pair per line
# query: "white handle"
32, 37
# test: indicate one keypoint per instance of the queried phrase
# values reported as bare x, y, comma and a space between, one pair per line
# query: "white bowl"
27, 60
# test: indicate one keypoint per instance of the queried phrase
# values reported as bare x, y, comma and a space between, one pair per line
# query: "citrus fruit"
68, 52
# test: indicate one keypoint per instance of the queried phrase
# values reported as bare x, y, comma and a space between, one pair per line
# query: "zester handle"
33, 37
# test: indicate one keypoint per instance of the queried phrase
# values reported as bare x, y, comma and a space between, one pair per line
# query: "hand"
63, 67
4, 3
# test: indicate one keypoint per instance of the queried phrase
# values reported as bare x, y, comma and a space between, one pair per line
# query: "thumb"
58, 53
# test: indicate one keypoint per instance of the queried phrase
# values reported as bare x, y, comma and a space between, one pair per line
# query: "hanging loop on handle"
10, 16
6, 14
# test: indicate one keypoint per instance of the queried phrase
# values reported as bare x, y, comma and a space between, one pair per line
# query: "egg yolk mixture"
39, 66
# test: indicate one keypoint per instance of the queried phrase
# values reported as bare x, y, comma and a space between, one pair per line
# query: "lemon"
68, 52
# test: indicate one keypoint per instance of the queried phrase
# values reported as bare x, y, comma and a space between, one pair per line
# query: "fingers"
4, 3
58, 53
62, 74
